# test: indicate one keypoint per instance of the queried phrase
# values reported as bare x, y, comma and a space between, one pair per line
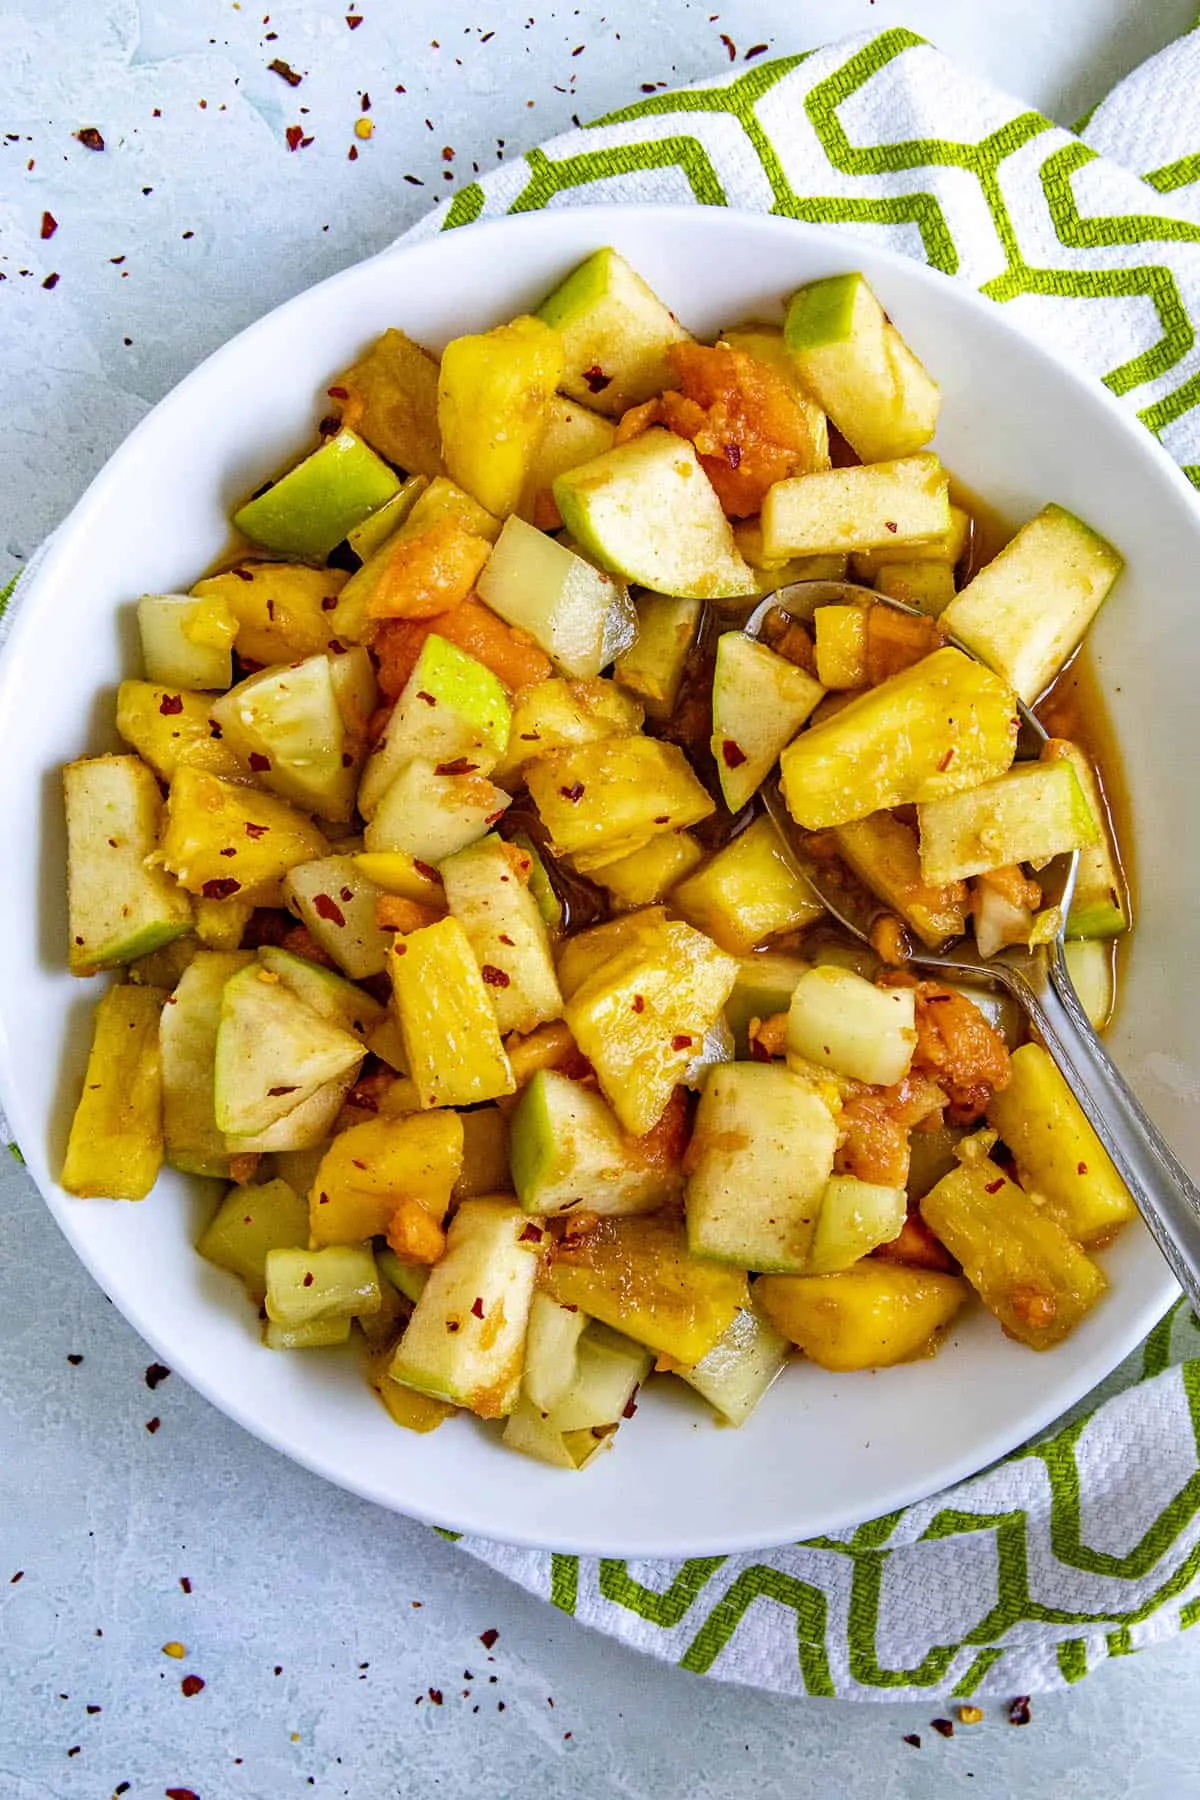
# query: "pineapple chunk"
867, 1317
389, 397
494, 394
369, 1168
283, 610
943, 725
929, 585
759, 702
654, 664
186, 642
392, 872
543, 587
451, 1041
615, 795
841, 1022
287, 729
311, 508
451, 710
855, 1218
221, 924
550, 715
841, 643
640, 1015
747, 892
222, 840
249, 1222
272, 1053
429, 811
883, 852
649, 875
638, 1276
507, 933
1019, 1260
1060, 1160
1031, 813
444, 499
901, 502
119, 905
336, 901
115, 1149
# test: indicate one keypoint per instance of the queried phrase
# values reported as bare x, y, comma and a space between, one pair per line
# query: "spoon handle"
1162, 1190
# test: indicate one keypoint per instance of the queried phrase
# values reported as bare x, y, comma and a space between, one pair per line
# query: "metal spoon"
1039, 981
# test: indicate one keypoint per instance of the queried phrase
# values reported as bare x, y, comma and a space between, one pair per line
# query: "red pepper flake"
729, 45
890, 525
1018, 1710
51, 281
325, 908
414, 181
330, 600
579, 50
993, 1187
681, 1041
596, 379
435, 1695
89, 137
452, 1325
49, 225
532, 1234
285, 71
663, 819
220, 889
74, 1359
93, 1710
505, 939
732, 755
354, 20
477, 1307
1081, 1168
495, 977
152, 1425
277, 1093
13, 1579
639, 1003
910, 1737
308, 1278
488, 1638
156, 1373
943, 1727
228, 851
258, 761
75, 1749
294, 135
191, 1685
733, 455
178, 1793
122, 1787
574, 793
459, 766
427, 698
255, 831
185, 1582
364, 102
630, 1406
755, 50
426, 869
946, 760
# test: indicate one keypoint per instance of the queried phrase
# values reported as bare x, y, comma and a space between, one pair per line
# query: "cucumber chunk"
849, 1025
740, 1367
187, 642
562, 601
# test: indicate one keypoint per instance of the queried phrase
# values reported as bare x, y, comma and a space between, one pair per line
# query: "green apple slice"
286, 727
1032, 813
337, 903
430, 811
563, 602
311, 508
759, 702
507, 933
647, 511
573, 435
330, 995
187, 1035
451, 710
615, 332
1099, 905
653, 666
272, 1052
120, 905
568, 1150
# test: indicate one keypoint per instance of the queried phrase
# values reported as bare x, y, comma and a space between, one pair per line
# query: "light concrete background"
315, 1621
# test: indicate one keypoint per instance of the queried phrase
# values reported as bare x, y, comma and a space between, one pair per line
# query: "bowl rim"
27, 1126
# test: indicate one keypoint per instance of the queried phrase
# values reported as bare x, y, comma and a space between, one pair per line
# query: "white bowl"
823, 1451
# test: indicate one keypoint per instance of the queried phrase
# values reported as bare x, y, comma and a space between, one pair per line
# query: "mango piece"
867, 1317
369, 1167
613, 796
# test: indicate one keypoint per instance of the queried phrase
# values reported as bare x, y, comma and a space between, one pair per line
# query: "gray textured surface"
102, 1516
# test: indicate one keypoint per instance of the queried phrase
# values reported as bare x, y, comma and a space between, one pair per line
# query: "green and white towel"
1086, 1544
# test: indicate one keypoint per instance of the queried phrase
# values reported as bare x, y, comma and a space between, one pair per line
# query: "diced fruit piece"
1099, 908
855, 1218
939, 727
545, 589
747, 892
115, 1148
379, 526
186, 642
283, 610
337, 903
641, 1014
1090, 962
540, 885
840, 633
311, 508
615, 334
249, 1222
1032, 813
272, 1053
407, 1278
220, 840
743, 416
444, 499
854, 361
653, 666
188, 1046
163, 968
573, 435
649, 875
172, 728
638, 1276
763, 987
1016, 1256
552, 714
902, 502
506, 931
314, 1334
389, 397
647, 511
451, 1040
868, 1317
567, 1150
304, 1126
416, 575
305, 1285
766, 344
494, 396
759, 702
760, 1156
429, 811
1061, 1163
929, 585
883, 852
221, 924
740, 1367
604, 1373
846, 1024
369, 1168
286, 727
452, 710
395, 873
485, 1167
119, 905
1026, 611
330, 996
615, 795
465, 1341
551, 1351
946, 549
